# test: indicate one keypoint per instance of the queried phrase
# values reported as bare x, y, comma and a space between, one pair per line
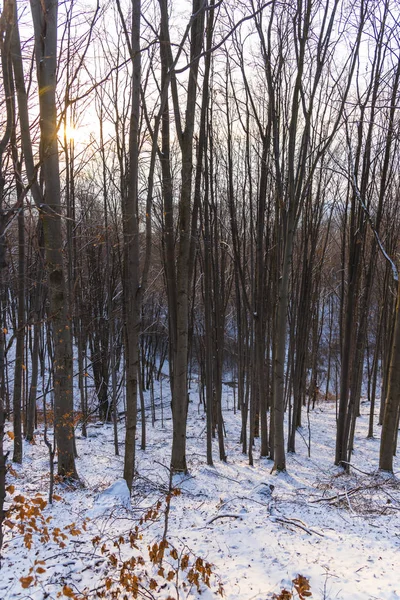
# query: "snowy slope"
258, 530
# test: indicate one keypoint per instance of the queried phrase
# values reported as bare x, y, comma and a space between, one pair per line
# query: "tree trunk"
132, 291
3, 459
280, 354
37, 325
180, 337
20, 349
392, 404
44, 13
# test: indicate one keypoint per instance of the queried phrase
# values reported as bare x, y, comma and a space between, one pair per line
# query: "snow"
259, 530
116, 495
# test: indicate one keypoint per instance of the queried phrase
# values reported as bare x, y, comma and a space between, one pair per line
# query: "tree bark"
44, 13
131, 287
182, 284
392, 405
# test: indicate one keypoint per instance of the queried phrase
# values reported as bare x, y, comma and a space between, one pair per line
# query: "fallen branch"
224, 517
339, 496
295, 523
349, 503
246, 499
345, 462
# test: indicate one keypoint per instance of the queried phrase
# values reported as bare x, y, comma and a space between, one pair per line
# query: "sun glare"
75, 134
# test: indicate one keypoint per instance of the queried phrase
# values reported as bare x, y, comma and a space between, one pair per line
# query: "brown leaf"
26, 581
40, 570
67, 591
9, 523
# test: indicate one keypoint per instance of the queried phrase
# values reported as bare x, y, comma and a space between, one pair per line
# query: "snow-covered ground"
340, 532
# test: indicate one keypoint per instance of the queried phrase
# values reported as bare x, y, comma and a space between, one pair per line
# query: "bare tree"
179, 281
44, 16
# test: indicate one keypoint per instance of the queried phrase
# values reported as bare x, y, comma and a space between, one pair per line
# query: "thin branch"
225, 38
357, 193
228, 516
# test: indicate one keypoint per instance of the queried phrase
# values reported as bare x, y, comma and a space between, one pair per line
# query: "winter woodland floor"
340, 532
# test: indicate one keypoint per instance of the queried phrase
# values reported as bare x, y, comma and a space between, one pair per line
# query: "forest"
199, 298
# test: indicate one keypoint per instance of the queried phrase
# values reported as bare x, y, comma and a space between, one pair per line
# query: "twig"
357, 193
224, 517
167, 509
294, 522
246, 498
348, 502
225, 477
337, 496
344, 462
